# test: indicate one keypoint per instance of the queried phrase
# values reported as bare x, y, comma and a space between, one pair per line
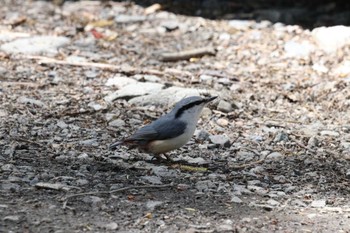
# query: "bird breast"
163, 146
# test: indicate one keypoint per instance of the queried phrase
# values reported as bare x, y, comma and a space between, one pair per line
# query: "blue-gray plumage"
170, 131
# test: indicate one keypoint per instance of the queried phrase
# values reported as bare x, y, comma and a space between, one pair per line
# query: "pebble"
275, 156
10, 187
111, 226
35, 45
8, 167
151, 205
340, 37
81, 182
117, 123
62, 124
329, 133
168, 96
225, 226
147, 78
12, 218
221, 140
91, 74
90, 142
222, 122
318, 203
295, 49
201, 135
348, 174
152, 179
93, 200
95, 106
236, 199
119, 81
313, 142
25, 100
122, 18
224, 106
241, 24
272, 202
205, 185
281, 136
133, 90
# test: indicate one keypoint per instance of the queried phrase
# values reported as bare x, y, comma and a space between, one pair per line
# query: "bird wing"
160, 130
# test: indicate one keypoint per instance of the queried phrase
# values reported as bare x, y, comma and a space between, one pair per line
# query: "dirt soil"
285, 169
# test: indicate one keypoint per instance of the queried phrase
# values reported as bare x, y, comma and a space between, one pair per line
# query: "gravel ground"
271, 154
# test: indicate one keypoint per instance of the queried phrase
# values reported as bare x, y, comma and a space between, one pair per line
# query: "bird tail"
115, 145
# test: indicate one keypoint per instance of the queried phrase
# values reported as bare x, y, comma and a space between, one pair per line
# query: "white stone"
318, 203
295, 49
120, 81
35, 45
135, 89
330, 39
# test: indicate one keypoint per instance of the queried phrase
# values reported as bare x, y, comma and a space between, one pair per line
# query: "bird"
170, 131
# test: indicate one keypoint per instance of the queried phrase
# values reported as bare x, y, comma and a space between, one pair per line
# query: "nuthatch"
169, 132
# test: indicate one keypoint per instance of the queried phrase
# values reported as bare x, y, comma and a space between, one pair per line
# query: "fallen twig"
248, 164
121, 69
120, 190
187, 54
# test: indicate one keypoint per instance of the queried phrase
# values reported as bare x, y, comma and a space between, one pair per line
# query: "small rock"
93, 200
295, 49
224, 106
318, 203
117, 123
298, 203
206, 78
348, 174
81, 182
205, 185
329, 133
241, 24
91, 74
313, 142
95, 106
147, 78
170, 25
236, 199
201, 135
273, 202
320, 68
111, 226
35, 45
340, 37
133, 90
281, 136
152, 179
12, 218
274, 156
120, 81
25, 100
10, 187
8, 167
90, 143
151, 205
83, 156
222, 122
221, 140
77, 59
62, 124
122, 18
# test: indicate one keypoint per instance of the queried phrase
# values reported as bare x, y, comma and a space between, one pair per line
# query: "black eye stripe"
188, 106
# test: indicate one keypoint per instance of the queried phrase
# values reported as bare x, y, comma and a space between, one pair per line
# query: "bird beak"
208, 99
